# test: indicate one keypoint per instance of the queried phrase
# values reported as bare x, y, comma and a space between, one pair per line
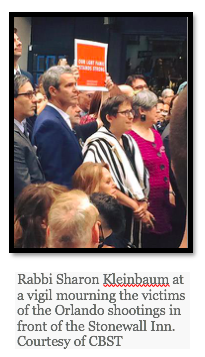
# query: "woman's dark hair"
95, 102
110, 210
30, 214
111, 107
97, 98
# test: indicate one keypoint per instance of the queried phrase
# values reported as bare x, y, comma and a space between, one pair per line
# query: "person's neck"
16, 63
18, 118
142, 127
107, 232
59, 105
143, 130
117, 135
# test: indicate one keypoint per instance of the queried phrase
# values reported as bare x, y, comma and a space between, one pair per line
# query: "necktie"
25, 130
17, 74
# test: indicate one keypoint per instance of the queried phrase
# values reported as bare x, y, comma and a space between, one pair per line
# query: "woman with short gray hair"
155, 160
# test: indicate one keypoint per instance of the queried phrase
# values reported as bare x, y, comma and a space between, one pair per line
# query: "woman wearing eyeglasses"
155, 160
121, 153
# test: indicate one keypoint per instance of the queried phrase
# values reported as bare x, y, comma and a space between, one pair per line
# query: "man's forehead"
139, 81
26, 87
67, 77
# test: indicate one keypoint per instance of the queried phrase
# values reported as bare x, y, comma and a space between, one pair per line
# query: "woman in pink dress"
152, 150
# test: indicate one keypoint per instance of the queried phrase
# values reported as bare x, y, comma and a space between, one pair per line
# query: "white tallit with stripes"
104, 147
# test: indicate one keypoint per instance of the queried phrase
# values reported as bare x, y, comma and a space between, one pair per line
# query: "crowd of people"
94, 169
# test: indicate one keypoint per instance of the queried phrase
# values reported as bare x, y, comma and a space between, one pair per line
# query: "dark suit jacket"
84, 131
27, 168
57, 146
29, 75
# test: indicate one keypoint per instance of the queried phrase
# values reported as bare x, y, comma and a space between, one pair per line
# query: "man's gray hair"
71, 219
19, 81
52, 77
167, 92
144, 99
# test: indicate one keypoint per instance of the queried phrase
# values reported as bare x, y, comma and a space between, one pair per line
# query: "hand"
148, 220
141, 210
108, 82
143, 204
172, 198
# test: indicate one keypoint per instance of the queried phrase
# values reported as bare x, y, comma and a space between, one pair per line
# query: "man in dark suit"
57, 146
17, 55
27, 168
19, 71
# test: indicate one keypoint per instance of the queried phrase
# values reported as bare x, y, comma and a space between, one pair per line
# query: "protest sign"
91, 59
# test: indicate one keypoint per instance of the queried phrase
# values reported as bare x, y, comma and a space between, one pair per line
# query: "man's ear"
96, 232
52, 90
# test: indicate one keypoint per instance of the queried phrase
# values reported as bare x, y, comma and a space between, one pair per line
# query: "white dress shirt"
20, 125
17, 70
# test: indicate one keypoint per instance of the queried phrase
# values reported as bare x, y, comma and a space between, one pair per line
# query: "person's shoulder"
18, 135
29, 75
156, 134
130, 136
155, 131
48, 114
21, 143
16, 129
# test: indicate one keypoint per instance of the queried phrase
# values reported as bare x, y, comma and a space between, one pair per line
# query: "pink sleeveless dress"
156, 162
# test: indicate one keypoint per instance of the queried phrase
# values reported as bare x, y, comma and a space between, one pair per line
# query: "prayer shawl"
132, 180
